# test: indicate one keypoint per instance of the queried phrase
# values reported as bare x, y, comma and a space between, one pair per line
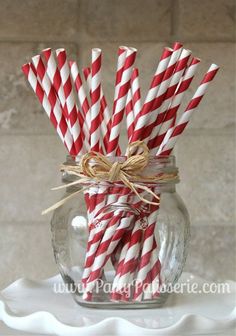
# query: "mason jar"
119, 249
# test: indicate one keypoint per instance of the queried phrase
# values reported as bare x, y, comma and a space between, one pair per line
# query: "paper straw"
98, 203
95, 100
105, 113
80, 142
154, 276
47, 85
142, 129
136, 93
133, 103
96, 234
163, 104
109, 241
129, 115
152, 92
83, 114
122, 53
170, 116
173, 134
148, 245
121, 100
105, 121
131, 258
54, 75
80, 91
53, 111
115, 296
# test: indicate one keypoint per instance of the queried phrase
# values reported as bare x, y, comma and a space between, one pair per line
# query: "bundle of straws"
78, 110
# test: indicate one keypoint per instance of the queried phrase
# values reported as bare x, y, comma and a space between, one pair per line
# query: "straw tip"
36, 57
60, 50
214, 66
96, 49
177, 45
25, 66
132, 49
196, 60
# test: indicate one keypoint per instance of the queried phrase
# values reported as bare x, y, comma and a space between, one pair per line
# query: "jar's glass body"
115, 251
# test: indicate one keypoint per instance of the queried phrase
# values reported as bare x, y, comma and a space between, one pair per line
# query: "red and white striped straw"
105, 120
70, 103
152, 92
122, 52
133, 103
154, 276
53, 109
148, 244
121, 100
55, 78
47, 85
173, 134
83, 100
107, 244
129, 115
84, 115
170, 116
136, 93
54, 75
164, 103
131, 258
147, 117
87, 77
100, 202
95, 100
105, 113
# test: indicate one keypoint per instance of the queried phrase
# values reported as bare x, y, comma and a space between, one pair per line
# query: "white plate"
34, 307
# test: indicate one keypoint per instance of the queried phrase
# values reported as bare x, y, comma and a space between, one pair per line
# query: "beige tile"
29, 169
45, 20
206, 20
25, 251
20, 110
133, 20
207, 171
212, 253
217, 109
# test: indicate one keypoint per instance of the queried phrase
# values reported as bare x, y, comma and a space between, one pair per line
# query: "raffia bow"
97, 167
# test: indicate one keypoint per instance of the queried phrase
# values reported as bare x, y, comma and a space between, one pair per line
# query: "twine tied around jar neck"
98, 167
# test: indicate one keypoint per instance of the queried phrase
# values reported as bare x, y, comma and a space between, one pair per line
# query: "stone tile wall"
205, 155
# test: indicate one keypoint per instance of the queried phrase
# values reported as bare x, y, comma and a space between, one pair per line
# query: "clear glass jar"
115, 251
